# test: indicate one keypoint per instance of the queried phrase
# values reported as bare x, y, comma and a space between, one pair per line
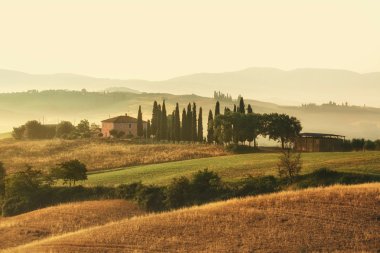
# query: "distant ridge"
296, 86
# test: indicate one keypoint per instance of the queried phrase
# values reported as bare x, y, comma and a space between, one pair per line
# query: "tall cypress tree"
184, 125
177, 124
140, 127
210, 128
164, 123
158, 130
249, 109
154, 123
194, 123
235, 109
200, 125
173, 127
217, 108
189, 122
148, 129
242, 106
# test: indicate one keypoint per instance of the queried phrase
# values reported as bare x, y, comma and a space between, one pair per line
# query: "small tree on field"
289, 165
2, 181
70, 172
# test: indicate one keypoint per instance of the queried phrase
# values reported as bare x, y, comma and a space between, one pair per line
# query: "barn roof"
321, 135
121, 119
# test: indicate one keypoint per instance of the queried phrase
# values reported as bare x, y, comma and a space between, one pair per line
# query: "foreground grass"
234, 167
338, 218
62, 219
97, 154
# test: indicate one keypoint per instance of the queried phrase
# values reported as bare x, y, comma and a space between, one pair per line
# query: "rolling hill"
334, 219
61, 219
267, 84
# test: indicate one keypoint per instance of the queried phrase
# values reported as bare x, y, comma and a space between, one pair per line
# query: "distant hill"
267, 84
338, 218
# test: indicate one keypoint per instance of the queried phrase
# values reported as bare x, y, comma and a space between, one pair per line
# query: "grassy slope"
5, 135
338, 218
236, 166
97, 154
62, 219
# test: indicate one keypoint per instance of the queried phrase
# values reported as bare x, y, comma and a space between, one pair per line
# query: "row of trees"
65, 130
239, 125
175, 127
361, 145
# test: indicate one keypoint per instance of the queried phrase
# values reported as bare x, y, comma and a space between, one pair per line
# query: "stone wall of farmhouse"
127, 128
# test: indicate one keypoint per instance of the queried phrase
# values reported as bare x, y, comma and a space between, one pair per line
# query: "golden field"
97, 154
338, 218
62, 219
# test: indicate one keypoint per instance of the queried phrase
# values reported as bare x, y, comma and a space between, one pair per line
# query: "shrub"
178, 193
128, 191
290, 165
259, 185
151, 198
206, 186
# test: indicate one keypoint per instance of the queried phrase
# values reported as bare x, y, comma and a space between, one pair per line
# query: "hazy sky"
166, 38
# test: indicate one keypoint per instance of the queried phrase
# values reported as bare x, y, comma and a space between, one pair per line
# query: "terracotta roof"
122, 119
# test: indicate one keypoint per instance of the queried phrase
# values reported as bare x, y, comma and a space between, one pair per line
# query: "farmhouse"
317, 142
125, 124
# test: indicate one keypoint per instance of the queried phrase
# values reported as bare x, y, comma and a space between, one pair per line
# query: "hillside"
338, 218
54, 106
293, 86
235, 167
62, 219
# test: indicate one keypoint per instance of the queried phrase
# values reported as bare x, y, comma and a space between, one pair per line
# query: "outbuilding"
318, 142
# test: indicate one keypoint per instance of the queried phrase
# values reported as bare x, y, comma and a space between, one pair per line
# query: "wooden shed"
318, 142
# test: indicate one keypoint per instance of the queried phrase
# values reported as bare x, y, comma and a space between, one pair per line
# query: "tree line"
239, 125
34, 130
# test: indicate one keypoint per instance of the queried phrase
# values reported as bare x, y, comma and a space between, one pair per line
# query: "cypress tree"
249, 109
217, 108
140, 127
242, 106
173, 127
158, 130
148, 129
235, 109
189, 122
210, 128
200, 125
177, 124
184, 125
194, 137
154, 123
164, 123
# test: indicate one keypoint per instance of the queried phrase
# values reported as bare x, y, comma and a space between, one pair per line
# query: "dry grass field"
61, 219
97, 154
334, 219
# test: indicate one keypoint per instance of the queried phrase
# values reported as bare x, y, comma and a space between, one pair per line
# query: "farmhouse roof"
320, 135
121, 119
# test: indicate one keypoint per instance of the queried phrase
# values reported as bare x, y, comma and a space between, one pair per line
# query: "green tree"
205, 186
200, 125
164, 123
210, 128
34, 130
358, 144
194, 137
140, 127
19, 132
241, 106
83, 129
177, 124
184, 125
148, 129
155, 118
217, 108
70, 172
178, 193
249, 109
189, 122
65, 129
282, 128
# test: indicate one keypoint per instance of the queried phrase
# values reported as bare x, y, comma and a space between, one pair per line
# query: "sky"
157, 40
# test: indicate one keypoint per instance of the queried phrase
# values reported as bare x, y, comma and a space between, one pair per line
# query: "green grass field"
233, 167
